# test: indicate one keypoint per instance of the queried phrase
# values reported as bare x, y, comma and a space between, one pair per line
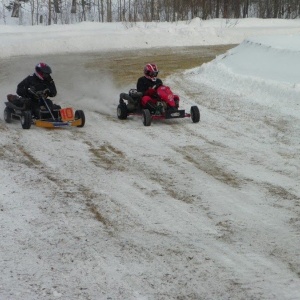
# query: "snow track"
177, 210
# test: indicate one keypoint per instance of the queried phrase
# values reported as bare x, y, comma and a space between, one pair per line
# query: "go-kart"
166, 106
47, 116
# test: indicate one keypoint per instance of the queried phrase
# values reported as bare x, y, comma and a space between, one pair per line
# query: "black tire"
8, 114
26, 119
122, 111
79, 114
147, 117
195, 114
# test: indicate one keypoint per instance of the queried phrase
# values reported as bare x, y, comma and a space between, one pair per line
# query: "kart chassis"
130, 105
55, 118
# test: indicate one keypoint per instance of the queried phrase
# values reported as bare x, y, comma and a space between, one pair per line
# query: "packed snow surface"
177, 210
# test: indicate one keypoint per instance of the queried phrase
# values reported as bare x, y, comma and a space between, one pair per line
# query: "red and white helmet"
151, 71
42, 71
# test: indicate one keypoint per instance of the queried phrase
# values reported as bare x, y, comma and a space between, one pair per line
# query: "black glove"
39, 93
46, 93
47, 77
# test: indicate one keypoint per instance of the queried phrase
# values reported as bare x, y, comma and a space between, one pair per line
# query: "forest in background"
47, 12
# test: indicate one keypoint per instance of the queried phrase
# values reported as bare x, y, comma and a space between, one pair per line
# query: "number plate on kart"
67, 114
175, 114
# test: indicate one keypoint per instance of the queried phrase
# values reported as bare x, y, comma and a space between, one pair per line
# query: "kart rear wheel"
122, 111
8, 115
26, 119
147, 117
79, 114
195, 114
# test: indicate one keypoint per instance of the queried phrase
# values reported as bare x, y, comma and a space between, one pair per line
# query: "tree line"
69, 11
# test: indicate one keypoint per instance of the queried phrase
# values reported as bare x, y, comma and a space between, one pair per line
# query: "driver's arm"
140, 86
51, 87
22, 88
158, 82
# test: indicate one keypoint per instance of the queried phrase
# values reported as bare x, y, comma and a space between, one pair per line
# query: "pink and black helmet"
42, 71
151, 71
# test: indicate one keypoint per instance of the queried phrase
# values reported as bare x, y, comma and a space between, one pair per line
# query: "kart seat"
11, 98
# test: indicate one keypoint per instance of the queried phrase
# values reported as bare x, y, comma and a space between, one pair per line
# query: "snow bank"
94, 37
265, 69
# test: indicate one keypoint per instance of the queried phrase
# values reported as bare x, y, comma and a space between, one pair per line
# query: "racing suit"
144, 85
36, 84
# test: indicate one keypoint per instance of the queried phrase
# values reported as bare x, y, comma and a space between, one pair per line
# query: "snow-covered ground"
116, 210
83, 37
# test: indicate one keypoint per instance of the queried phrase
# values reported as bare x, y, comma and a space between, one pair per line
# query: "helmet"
42, 71
151, 71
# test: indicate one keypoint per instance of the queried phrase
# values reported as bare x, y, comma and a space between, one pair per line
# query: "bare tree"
109, 11
149, 10
83, 3
16, 9
49, 12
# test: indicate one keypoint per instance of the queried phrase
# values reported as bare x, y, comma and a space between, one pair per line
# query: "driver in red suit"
145, 85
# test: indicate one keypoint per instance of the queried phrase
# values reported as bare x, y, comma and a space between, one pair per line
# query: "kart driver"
39, 81
146, 85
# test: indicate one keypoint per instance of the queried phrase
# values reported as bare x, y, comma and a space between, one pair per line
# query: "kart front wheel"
26, 119
79, 114
147, 117
122, 111
195, 114
8, 115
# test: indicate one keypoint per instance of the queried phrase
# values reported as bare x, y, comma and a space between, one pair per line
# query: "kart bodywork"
166, 108
44, 116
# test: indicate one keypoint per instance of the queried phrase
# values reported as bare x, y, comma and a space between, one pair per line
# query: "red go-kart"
130, 104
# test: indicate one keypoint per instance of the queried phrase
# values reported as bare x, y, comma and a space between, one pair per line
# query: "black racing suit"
143, 84
36, 84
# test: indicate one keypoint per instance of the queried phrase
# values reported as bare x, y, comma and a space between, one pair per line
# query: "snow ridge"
262, 71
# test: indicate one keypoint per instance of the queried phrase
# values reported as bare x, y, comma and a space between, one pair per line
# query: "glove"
46, 93
48, 78
37, 96
39, 93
